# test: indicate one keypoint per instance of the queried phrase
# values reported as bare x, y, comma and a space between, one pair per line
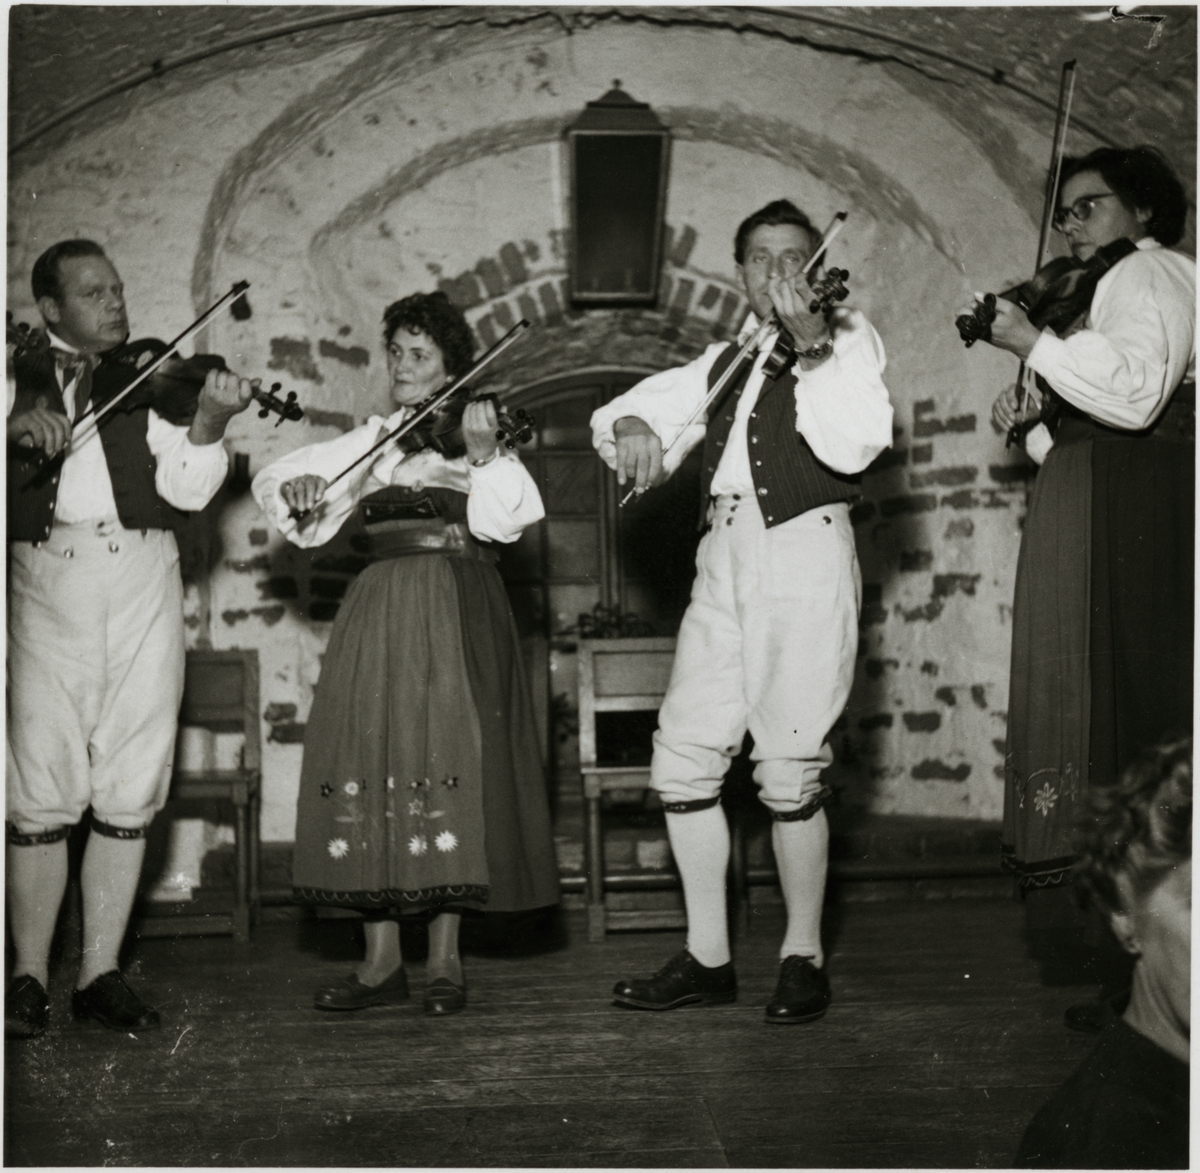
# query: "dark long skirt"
422, 784
1102, 642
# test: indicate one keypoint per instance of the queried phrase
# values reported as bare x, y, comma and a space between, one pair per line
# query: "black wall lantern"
619, 154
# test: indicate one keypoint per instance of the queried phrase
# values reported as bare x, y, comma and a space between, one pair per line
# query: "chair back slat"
220, 693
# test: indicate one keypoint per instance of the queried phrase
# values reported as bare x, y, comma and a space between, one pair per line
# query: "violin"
1055, 290
830, 289
1057, 295
441, 430
173, 389
827, 290
434, 423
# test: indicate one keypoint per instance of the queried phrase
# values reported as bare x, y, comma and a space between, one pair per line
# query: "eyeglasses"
1080, 210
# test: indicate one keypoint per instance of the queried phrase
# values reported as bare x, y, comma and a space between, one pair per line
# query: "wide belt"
401, 538
1177, 424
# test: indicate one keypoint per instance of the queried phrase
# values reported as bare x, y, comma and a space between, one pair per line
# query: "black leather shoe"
683, 981
351, 994
802, 993
26, 1008
111, 1002
442, 996
1093, 1017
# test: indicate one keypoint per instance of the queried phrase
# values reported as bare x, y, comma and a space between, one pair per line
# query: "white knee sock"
37, 880
700, 843
802, 857
109, 879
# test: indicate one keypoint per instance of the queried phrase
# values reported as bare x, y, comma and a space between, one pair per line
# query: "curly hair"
1140, 826
776, 212
436, 315
1141, 178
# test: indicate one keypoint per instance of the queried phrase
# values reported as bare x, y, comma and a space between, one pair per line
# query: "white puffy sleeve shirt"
842, 405
502, 498
1137, 345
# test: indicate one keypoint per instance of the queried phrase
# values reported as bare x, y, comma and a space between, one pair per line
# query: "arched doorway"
636, 563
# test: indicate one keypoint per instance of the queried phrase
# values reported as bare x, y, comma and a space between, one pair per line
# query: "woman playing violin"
1102, 617
422, 784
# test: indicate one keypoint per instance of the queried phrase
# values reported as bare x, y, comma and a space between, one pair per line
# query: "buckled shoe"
683, 981
802, 993
109, 1001
351, 994
26, 1008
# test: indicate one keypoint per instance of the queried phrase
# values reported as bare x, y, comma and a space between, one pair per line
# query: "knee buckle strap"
111, 832
20, 839
804, 813
684, 808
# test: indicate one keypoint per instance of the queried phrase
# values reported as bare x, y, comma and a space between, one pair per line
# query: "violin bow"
1066, 93
430, 406
93, 416
751, 344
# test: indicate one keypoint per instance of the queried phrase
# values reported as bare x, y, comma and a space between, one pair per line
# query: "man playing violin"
1103, 604
95, 627
768, 642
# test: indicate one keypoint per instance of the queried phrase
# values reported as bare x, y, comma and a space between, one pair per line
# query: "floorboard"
938, 1047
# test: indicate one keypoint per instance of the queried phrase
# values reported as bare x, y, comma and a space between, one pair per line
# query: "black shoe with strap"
683, 981
351, 994
109, 1001
26, 1008
802, 993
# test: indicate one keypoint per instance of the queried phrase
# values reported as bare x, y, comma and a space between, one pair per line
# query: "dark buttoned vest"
788, 477
33, 487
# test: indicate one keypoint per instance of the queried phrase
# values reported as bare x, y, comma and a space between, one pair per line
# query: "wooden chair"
221, 693
616, 676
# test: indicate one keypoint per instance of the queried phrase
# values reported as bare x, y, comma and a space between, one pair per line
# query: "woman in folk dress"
422, 786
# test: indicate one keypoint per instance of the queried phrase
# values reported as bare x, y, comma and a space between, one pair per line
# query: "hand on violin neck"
223, 395
791, 298
1011, 328
479, 427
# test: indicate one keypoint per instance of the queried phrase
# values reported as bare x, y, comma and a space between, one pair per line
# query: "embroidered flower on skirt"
1045, 799
446, 841
339, 848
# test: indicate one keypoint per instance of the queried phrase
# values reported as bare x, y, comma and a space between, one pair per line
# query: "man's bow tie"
69, 361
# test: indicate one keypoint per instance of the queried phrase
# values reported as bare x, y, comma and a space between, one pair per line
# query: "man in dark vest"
95, 626
769, 639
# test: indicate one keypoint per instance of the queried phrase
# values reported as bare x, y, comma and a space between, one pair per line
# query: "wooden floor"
938, 1047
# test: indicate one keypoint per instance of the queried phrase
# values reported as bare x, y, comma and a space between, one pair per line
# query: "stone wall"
340, 168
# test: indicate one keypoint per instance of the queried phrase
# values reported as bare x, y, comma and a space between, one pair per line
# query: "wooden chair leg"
241, 907
255, 856
593, 866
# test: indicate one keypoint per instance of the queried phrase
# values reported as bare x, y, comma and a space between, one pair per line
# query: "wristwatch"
486, 460
819, 350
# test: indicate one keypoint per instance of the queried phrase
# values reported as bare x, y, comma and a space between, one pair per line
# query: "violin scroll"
515, 429
977, 325
831, 288
286, 409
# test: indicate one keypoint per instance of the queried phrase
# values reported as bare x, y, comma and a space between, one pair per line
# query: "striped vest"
788, 477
